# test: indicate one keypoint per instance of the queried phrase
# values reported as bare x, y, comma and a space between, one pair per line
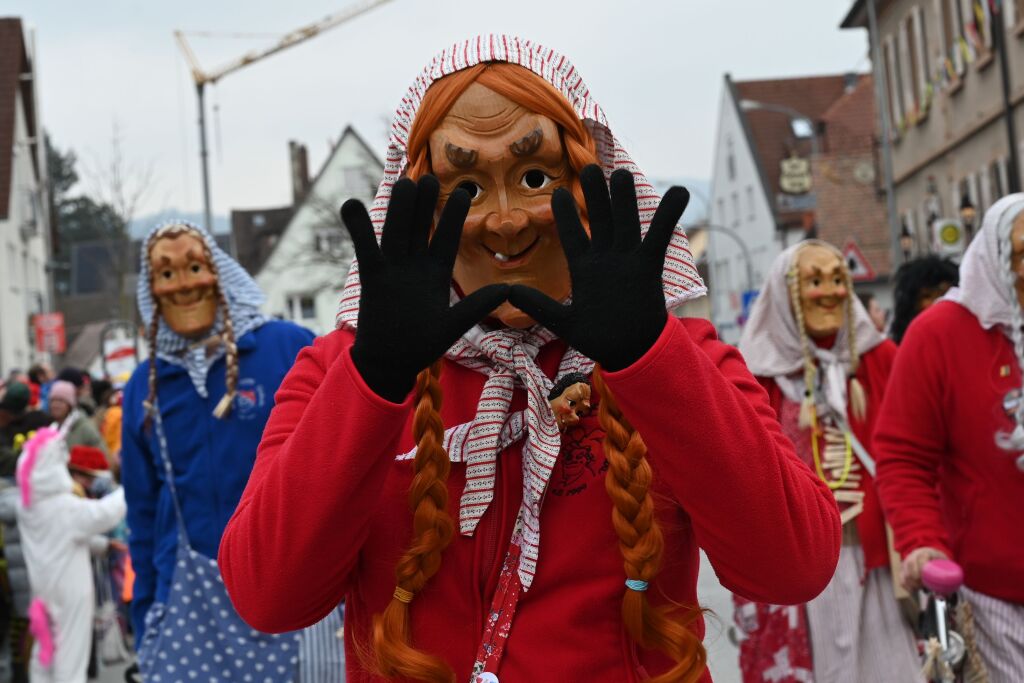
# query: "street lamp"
968, 214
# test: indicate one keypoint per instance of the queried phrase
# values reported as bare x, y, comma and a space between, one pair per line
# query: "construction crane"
203, 78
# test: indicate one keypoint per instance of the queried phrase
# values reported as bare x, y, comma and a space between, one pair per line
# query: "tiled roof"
850, 121
770, 132
13, 63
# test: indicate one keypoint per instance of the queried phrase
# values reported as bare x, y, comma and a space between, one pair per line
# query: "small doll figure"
570, 400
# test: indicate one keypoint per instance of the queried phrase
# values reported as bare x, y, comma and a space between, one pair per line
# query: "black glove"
405, 321
618, 305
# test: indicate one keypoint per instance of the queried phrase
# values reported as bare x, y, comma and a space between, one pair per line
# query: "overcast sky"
655, 66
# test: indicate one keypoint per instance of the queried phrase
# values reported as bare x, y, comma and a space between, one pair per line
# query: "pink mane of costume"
28, 463
41, 629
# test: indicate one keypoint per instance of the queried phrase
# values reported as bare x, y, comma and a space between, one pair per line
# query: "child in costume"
192, 417
950, 439
57, 529
421, 433
813, 347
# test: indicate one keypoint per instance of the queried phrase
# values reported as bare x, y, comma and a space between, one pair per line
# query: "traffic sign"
861, 269
49, 329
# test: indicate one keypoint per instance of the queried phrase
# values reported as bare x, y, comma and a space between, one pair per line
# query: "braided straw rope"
810, 369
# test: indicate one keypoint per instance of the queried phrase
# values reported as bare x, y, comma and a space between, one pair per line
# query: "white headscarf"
507, 356
987, 290
242, 294
770, 342
984, 289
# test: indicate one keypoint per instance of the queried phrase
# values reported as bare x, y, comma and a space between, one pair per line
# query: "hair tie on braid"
403, 595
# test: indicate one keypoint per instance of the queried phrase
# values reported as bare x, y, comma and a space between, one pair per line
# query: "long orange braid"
628, 484
433, 527
641, 542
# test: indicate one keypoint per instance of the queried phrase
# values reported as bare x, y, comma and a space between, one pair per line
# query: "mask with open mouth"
184, 284
509, 159
823, 290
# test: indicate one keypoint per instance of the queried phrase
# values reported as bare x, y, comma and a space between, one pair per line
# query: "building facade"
305, 271
794, 158
25, 239
944, 84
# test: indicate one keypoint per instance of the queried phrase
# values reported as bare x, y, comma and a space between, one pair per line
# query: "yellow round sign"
949, 233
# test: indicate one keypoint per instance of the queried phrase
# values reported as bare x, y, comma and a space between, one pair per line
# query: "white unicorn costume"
57, 529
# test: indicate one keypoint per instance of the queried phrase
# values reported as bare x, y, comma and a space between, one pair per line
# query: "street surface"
722, 654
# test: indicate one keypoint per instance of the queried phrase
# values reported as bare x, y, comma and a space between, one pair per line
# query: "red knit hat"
88, 459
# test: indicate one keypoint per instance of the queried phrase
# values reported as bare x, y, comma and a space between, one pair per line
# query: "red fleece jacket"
873, 373
942, 479
325, 515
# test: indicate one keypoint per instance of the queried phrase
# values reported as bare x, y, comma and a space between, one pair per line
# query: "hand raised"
406, 321
618, 305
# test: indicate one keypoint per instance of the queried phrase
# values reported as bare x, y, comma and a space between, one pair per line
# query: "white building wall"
738, 202
24, 241
296, 272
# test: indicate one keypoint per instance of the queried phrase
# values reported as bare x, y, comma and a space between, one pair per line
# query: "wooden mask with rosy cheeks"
510, 160
183, 283
822, 278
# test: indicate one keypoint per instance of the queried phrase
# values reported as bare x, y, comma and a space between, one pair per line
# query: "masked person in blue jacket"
193, 417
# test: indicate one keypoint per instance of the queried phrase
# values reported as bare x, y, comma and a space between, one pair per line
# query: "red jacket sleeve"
910, 440
326, 426
769, 526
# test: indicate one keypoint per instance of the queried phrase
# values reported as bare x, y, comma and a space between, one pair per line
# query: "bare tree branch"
123, 187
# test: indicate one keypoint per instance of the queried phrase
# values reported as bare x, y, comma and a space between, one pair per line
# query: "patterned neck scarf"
241, 292
507, 356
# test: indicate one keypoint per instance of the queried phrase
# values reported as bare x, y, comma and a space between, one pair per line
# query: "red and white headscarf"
506, 356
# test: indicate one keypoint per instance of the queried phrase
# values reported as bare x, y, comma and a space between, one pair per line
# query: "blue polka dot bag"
197, 635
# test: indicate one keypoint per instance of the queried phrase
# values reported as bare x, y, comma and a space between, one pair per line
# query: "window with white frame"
12, 267
730, 159
927, 212
977, 26
909, 218
736, 209
329, 241
905, 49
919, 35
974, 191
893, 81
994, 176
750, 203
950, 30
1014, 13
301, 307
984, 189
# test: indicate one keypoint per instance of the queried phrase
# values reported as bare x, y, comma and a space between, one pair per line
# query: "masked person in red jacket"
813, 346
546, 540
950, 439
